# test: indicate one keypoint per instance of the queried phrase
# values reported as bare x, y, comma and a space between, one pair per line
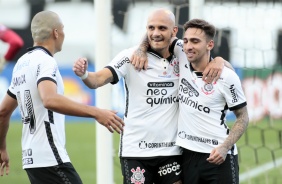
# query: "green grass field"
258, 146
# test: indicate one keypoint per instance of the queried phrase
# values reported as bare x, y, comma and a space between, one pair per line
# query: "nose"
187, 46
156, 32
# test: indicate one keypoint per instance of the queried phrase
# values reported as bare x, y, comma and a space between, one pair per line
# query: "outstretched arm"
7, 106
57, 103
218, 154
92, 79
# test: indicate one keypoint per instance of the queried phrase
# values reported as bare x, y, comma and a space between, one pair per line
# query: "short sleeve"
232, 91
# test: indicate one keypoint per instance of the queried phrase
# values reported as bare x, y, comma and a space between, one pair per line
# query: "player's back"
43, 138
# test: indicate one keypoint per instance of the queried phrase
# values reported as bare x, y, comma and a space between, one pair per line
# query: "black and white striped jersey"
203, 107
151, 105
43, 133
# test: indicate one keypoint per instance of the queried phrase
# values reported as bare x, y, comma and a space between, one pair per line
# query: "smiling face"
160, 30
196, 45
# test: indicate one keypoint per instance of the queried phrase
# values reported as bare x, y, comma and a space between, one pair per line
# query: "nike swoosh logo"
177, 173
149, 68
186, 66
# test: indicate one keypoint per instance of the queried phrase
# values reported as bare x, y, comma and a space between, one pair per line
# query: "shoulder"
228, 75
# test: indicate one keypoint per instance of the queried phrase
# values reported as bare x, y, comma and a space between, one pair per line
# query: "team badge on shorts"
137, 177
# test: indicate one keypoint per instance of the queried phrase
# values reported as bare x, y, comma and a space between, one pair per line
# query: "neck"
201, 65
46, 46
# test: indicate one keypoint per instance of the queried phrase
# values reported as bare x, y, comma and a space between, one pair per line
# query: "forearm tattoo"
239, 127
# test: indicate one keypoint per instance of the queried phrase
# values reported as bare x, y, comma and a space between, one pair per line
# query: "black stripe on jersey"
11, 94
121, 145
51, 142
46, 78
31, 49
50, 116
238, 106
222, 122
127, 99
171, 47
115, 76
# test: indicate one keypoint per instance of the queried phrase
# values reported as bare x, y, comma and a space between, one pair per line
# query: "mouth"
190, 54
157, 39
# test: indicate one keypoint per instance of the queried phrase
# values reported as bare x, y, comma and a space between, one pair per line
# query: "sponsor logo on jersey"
137, 176
27, 153
186, 91
183, 135
123, 61
233, 93
207, 89
157, 94
21, 65
17, 81
169, 168
38, 70
187, 88
145, 145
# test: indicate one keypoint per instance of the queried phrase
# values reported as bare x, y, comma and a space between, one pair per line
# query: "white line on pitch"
261, 169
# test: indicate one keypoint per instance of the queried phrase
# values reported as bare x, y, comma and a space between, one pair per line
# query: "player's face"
159, 32
195, 45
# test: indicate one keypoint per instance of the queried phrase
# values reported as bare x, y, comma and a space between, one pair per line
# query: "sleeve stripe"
114, 74
46, 78
238, 106
11, 94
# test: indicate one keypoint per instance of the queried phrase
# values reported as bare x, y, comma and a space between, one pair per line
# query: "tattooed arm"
218, 154
139, 58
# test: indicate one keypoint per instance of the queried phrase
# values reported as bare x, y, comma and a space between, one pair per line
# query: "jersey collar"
39, 47
153, 52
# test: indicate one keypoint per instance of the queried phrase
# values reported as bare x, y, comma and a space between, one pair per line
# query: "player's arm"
214, 69
139, 58
61, 104
218, 155
92, 79
7, 106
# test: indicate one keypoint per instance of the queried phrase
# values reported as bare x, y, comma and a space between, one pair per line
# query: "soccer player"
210, 153
148, 153
37, 89
15, 44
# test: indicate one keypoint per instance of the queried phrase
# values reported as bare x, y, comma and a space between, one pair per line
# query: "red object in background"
13, 39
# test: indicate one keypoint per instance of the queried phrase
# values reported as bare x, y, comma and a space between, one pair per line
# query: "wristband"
84, 76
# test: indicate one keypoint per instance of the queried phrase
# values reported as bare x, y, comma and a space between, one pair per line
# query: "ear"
174, 31
56, 34
210, 45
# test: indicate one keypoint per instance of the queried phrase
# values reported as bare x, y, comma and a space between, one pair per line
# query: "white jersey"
202, 107
151, 105
43, 134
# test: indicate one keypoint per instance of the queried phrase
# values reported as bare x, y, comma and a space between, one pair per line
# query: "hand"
80, 66
213, 70
4, 162
110, 120
139, 59
218, 155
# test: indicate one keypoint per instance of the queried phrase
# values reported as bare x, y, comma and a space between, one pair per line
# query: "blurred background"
249, 36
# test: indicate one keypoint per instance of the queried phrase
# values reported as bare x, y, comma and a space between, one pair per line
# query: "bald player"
37, 89
147, 145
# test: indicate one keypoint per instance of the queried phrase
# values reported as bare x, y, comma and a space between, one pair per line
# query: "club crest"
137, 176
